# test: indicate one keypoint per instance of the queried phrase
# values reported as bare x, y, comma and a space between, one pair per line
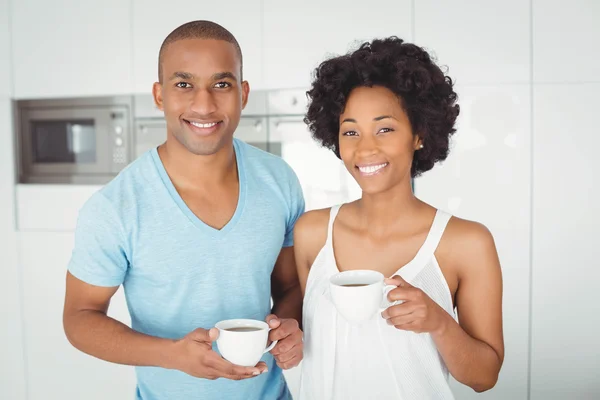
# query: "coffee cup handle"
271, 346
385, 303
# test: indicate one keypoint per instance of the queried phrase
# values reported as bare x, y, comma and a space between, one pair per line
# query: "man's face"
201, 93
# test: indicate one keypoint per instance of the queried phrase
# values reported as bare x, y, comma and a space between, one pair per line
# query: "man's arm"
286, 315
90, 330
98, 266
286, 293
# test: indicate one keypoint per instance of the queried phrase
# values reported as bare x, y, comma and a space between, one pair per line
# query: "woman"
387, 111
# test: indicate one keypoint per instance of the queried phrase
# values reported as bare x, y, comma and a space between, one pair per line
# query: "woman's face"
376, 139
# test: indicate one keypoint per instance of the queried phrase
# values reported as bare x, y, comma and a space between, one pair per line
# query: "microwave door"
323, 177
66, 142
149, 134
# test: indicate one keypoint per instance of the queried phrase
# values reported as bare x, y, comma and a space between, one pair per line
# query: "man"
197, 231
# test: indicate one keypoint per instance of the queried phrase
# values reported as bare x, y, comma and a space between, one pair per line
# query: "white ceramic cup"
362, 301
245, 346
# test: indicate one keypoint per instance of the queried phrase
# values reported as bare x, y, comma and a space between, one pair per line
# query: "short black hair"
200, 29
425, 93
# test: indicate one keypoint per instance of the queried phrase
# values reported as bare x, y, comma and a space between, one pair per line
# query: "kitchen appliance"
83, 140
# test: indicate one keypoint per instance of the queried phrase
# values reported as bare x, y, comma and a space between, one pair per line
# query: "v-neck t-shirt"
180, 274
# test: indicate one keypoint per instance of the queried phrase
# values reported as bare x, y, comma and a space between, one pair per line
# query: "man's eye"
183, 85
222, 85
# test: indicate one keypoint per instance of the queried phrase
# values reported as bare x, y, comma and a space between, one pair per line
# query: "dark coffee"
243, 329
355, 284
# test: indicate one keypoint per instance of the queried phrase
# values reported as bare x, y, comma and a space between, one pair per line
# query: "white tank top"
372, 360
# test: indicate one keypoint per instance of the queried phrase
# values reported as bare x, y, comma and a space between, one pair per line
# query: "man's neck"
189, 171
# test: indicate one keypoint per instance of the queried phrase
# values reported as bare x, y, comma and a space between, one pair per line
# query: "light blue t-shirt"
180, 274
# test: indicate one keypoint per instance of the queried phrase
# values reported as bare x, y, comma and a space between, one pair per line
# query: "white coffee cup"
359, 295
243, 341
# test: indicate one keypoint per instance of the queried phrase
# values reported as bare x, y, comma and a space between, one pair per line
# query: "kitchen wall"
12, 365
521, 161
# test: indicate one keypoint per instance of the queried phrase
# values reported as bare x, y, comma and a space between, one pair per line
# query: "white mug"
359, 295
243, 341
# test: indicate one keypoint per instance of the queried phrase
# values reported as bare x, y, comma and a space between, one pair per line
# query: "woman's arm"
473, 348
310, 234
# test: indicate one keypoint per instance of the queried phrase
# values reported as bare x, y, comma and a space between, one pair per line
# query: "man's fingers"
262, 366
273, 321
294, 361
290, 354
288, 344
287, 327
225, 368
203, 335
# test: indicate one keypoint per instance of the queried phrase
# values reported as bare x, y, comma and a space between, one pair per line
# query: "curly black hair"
425, 93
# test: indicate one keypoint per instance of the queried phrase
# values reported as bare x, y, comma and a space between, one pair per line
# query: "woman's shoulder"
467, 242
467, 233
312, 225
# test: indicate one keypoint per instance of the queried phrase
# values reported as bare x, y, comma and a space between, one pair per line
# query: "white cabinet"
67, 48
5, 79
153, 21
481, 42
487, 178
12, 366
565, 320
55, 369
50, 208
564, 36
298, 35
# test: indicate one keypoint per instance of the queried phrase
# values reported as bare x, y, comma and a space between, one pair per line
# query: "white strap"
332, 214
435, 233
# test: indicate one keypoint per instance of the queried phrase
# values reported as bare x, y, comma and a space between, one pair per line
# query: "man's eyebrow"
182, 75
224, 75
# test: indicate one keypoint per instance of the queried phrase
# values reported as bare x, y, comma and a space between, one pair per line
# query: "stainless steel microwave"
84, 140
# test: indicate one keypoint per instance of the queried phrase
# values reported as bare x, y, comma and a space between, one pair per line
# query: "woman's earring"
421, 146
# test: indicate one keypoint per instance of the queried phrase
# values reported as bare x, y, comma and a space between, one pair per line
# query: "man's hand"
194, 356
288, 352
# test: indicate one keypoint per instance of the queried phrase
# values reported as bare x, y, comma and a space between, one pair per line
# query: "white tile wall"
566, 38
487, 178
12, 366
566, 217
482, 42
299, 35
71, 48
5, 81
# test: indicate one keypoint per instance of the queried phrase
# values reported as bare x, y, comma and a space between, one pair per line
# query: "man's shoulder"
261, 159
129, 186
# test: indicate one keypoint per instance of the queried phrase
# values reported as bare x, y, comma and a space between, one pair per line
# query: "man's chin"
205, 147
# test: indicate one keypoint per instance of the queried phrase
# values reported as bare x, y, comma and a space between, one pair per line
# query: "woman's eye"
385, 130
349, 133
